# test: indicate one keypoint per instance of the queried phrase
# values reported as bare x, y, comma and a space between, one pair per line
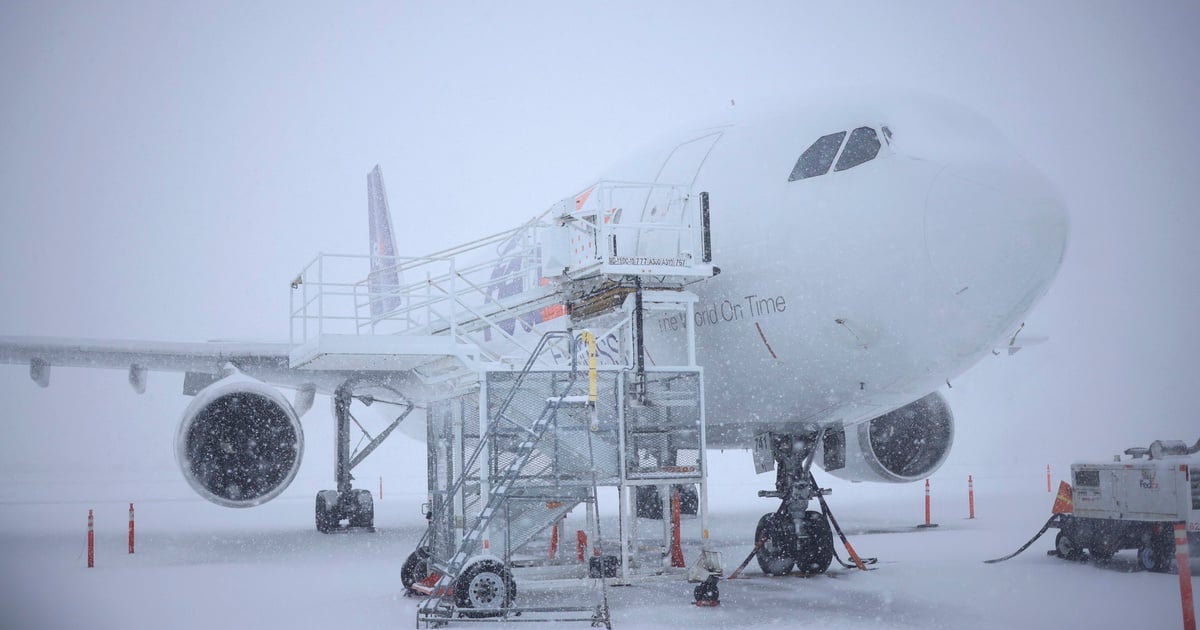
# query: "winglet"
384, 279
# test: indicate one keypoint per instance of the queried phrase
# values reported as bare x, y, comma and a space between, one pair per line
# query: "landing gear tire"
777, 554
484, 589
648, 503
364, 515
689, 499
327, 521
814, 550
1066, 547
1151, 558
415, 568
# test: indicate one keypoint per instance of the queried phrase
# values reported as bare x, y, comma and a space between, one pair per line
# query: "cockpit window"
863, 146
817, 158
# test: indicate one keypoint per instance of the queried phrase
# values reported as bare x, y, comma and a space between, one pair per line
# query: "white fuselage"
846, 295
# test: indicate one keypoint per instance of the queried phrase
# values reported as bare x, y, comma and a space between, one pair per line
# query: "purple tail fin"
384, 279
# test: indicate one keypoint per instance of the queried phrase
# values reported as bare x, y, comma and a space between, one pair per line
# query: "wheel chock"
707, 593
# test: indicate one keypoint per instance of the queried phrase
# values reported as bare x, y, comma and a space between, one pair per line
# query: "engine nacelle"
239, 443
904, 445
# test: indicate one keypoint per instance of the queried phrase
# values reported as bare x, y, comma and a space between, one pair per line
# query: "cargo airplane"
868, 253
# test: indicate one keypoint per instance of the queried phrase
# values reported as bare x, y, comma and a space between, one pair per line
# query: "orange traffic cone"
1063, 503
676, 550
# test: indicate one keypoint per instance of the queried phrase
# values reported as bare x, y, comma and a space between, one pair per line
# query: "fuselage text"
749, 307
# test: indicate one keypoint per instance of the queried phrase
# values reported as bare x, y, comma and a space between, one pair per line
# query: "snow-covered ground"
201, 566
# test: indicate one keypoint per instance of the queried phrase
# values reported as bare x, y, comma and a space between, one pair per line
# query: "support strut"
639, 341
342, 398
794, 483
345, 504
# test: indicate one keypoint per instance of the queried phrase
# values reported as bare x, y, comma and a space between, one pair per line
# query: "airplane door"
667, 202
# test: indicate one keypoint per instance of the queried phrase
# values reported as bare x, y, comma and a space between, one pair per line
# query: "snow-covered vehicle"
1134, 504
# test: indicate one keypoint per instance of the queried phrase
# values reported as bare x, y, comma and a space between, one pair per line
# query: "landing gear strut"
794, 537
346, 508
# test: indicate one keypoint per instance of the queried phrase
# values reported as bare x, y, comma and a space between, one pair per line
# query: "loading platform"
528, 351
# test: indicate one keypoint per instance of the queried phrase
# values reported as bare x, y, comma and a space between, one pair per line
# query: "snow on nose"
995, 236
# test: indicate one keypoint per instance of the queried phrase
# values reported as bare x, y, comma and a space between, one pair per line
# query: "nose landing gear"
793, 537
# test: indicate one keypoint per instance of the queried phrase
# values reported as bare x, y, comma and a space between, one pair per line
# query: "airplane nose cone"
995, 237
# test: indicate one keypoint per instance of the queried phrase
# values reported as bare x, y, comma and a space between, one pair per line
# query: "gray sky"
167, 168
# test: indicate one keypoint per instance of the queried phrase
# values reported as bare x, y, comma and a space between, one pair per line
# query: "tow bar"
859, 563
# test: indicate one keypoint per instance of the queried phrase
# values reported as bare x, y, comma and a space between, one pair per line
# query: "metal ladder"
442, 603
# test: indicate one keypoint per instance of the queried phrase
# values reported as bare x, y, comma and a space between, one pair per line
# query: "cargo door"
668, 200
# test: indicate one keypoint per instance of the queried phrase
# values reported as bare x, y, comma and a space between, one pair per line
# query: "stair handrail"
488, 511
438, 512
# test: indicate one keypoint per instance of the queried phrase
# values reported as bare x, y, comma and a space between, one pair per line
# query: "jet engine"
903, 445
239, 442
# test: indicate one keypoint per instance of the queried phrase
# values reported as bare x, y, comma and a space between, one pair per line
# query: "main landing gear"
794, 537
355, 508
347, 508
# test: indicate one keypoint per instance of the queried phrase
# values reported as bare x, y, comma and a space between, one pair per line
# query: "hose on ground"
1049, 523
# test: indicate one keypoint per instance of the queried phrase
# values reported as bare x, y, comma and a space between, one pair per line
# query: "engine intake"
239, 443
903, 445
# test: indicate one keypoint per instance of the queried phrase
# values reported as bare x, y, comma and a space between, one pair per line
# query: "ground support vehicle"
1132, 503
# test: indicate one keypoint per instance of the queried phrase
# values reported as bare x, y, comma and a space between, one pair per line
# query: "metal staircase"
475, 582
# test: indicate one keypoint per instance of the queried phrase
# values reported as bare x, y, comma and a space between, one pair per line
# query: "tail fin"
383, 283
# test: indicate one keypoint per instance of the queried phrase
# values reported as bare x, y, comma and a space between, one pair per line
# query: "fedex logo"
1148, 484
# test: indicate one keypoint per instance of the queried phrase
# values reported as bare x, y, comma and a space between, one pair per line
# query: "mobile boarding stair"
525, 473
492, 337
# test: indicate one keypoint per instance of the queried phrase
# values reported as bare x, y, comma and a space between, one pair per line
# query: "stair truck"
1133, 503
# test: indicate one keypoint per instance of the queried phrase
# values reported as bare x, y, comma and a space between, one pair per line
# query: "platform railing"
495, 293
457, 292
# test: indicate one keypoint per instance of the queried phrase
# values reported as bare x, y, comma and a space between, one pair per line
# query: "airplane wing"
261, 423
154, 355
240, 441
202, 362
